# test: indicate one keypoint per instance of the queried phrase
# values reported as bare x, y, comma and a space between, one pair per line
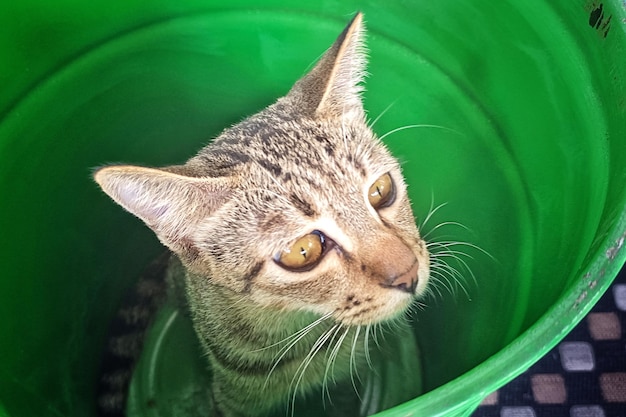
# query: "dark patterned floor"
584, 376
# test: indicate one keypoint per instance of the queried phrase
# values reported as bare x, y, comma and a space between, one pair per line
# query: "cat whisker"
447, 272
437, 268
443, 224
431, 211
426, 126
404, 324
304, 331
353, 368
396, 325
366, 346
331, 354
330, 363
414, 308
375, 334
444, 274
294, 335
452, 243
441, 251
460, 278
456, 255
299, 374
381, 114
384, 326
436, 280
294, 339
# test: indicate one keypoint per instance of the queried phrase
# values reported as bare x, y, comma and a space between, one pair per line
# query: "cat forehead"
323, 182
287, 163
285, 146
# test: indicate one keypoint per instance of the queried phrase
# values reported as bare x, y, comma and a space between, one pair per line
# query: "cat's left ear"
332, 89
171, 204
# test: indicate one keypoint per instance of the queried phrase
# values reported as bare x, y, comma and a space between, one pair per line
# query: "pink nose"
394, 265
406, 281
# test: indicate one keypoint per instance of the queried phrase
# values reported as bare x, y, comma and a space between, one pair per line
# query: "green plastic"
529, 155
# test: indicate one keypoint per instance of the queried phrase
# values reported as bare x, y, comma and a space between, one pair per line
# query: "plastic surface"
529, 157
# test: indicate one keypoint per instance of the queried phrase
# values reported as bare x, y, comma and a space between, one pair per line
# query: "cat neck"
265, 351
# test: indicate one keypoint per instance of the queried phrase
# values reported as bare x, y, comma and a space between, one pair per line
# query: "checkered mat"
584, 376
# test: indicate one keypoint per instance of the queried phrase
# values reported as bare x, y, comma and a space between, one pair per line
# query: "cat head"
298, 207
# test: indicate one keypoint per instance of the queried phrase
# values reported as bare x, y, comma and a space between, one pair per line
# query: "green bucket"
522, 108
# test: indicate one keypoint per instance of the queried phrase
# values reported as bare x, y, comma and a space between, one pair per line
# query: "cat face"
299, 207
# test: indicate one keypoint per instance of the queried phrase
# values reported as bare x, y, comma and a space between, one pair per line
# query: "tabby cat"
292, 234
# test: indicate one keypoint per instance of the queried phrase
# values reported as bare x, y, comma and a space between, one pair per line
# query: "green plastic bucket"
529, 156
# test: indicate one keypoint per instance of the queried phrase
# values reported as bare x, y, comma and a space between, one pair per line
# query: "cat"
290, 232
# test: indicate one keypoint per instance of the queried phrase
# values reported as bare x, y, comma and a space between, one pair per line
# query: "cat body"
293, 235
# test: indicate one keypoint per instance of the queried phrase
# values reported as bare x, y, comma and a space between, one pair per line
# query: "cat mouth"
390, 301
362, 312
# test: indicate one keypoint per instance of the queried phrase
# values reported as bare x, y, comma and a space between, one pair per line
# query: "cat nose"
394, 266
407, 281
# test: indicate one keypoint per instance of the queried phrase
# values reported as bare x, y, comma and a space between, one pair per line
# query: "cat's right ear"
170, 204
332, 89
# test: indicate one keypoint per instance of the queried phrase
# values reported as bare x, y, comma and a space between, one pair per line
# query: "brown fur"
304, 163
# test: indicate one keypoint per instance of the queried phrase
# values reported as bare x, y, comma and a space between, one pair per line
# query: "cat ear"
332, 89
170, 204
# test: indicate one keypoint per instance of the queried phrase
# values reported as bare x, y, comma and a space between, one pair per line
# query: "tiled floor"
584, 376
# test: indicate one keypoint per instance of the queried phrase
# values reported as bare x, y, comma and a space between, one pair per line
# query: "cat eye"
382, 192
304, 253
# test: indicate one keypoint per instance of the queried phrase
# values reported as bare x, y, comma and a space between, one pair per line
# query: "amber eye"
304, 253
382, 192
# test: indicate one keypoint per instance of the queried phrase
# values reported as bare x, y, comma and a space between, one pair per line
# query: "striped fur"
126, 336
307, 165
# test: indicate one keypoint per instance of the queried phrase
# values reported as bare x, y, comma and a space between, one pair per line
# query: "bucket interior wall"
510, 117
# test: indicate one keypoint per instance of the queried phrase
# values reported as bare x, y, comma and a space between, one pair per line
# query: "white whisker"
295, 339
353, 368
446, 272
366, 346
452, 243
300, 371
440, 225
381, 114
431, 212
330, 363
439, 279
294, 335
331, 353
335, 353
426, 126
